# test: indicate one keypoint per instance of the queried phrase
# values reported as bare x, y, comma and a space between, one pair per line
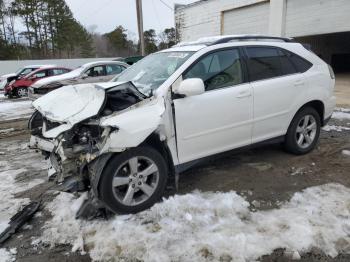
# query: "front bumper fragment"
42, 144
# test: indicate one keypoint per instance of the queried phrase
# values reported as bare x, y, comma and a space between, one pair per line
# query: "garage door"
253, 19
315, 17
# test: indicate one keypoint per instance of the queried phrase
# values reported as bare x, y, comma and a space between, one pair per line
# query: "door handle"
244, 94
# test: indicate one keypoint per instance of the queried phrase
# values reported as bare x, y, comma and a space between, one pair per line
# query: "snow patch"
10, 110
8, 255
209, 225
6, 131
346, 152
341, 113
8, 188
328, 128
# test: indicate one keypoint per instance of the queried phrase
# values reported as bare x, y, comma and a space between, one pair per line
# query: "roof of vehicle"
37, 66
104, 63
213, 40
45, 68
185, 48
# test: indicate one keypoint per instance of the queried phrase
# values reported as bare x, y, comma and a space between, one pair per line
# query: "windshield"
24, 71
152, 71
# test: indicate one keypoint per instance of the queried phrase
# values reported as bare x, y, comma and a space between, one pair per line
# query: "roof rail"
250, 37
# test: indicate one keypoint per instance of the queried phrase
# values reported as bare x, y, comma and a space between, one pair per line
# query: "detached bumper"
42, 144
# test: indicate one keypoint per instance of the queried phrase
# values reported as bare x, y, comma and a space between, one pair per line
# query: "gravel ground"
265, 176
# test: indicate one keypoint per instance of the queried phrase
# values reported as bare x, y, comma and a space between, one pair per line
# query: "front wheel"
22, 92
303, 132
133, 180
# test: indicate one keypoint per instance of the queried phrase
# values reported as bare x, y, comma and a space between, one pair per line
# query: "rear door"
276, 85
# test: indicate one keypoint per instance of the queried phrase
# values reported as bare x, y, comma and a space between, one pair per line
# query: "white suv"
124, 141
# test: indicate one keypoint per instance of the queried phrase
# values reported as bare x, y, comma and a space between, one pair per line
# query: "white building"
324, 24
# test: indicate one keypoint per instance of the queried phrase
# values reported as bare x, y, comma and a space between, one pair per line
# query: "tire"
21, 92
302, 136
35, 123
121, 169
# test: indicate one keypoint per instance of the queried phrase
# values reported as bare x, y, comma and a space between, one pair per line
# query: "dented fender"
133, 126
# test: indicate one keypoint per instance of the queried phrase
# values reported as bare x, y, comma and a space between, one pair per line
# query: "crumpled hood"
3, 77
71, 104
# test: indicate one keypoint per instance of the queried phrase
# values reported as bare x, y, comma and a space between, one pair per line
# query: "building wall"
251, 19
203, 18
314, 17
292, 18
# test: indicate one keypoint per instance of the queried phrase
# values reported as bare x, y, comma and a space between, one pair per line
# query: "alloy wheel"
22, 92
306, 131
135, 181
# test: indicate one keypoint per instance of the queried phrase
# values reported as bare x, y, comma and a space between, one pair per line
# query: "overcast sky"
104, 15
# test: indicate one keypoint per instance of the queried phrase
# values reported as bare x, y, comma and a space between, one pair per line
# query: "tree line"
38, 29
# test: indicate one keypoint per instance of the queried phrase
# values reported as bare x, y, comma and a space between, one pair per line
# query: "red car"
19, 87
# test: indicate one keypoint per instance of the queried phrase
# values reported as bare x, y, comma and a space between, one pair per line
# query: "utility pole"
140, 26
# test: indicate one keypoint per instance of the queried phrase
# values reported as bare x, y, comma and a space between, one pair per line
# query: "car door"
276, 85
94, 74
37, 76
221, 118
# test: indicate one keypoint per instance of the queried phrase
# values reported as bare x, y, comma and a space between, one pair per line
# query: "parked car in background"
129, 60
93, 72
123, 141
19, 87
23, 71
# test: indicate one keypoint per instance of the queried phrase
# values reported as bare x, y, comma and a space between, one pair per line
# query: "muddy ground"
266, 176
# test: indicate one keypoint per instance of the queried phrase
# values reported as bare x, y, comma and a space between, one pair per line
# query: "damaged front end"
78, 128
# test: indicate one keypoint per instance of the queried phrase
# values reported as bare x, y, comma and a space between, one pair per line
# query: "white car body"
194, 126
77, 76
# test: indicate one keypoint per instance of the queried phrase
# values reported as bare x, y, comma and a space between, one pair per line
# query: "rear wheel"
134, 180
303, 132
22, 92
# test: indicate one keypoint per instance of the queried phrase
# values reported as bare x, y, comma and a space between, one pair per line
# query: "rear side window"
58, 71
300, 63
287, 65
263, 63
114, 69
41, 74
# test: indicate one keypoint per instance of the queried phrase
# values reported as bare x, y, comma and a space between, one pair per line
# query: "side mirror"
191, 87
84, 76
32, 78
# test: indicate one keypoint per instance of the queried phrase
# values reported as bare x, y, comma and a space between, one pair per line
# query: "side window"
58, 71
114, 69
219, 69
40, 74
263, 63
299, 63
288, 67
96, 71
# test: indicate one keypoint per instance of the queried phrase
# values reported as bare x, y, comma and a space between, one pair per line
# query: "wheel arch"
154, 141
98, 165
318, 105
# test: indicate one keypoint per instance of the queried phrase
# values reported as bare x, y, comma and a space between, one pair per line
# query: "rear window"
300, 63
263, 63
270, 62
